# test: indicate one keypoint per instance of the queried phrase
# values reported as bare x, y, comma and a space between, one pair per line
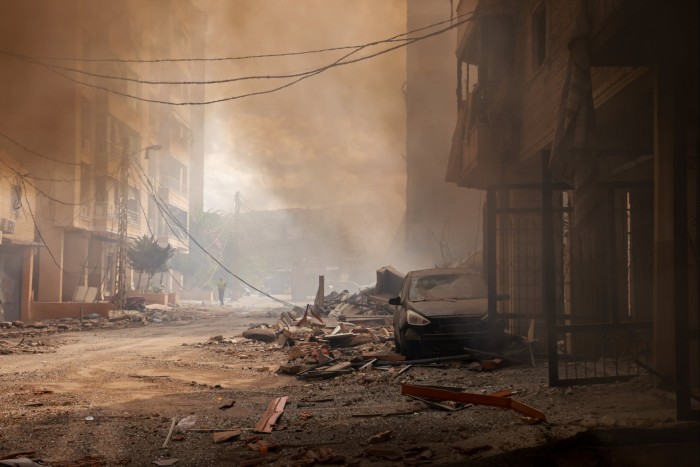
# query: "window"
539, 34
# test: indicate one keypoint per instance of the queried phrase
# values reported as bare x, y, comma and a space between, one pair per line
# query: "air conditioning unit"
7, 225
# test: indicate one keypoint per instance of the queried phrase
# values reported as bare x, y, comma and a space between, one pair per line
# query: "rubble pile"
25, 346
117, 318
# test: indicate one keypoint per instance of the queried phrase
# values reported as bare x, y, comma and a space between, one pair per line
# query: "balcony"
173, 191
482, 137
104, 217
104, 211
171, 183
133, 218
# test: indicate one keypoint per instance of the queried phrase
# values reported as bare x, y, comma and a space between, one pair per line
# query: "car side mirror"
501, 297
395, 301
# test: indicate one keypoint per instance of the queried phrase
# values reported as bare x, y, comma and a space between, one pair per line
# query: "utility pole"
122, 225
236, 232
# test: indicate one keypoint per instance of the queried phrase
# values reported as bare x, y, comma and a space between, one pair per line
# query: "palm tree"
146, 256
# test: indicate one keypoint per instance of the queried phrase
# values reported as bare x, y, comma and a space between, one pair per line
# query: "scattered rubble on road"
344, 401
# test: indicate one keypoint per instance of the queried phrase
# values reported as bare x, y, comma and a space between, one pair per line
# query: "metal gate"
573, 302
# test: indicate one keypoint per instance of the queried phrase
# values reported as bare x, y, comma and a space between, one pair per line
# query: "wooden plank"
339, 366
429, 392
269, 418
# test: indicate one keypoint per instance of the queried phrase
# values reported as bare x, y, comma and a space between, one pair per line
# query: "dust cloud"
333, 140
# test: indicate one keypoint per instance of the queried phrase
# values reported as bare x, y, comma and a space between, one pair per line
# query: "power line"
162, 206
244, 57
299, 76
24, 179
31, 151
38, 231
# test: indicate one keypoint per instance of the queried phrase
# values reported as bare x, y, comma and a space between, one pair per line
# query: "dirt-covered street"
107, 393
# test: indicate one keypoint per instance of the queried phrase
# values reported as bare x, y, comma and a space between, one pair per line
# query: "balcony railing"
104, 211
173, 183
133, 218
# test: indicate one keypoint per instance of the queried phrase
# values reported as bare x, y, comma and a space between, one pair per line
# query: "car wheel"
412, 350
397, 343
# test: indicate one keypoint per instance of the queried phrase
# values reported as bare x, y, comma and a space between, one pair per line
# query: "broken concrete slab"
260, 334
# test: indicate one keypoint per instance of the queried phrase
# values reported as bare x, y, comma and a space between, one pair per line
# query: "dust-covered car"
442, 311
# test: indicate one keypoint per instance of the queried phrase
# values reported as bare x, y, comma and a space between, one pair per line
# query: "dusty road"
108, 395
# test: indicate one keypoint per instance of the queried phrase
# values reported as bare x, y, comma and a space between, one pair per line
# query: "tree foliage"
147, 257
212, 231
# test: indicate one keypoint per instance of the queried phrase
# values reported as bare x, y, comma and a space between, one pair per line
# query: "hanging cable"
342, 61
245, 57
162, 206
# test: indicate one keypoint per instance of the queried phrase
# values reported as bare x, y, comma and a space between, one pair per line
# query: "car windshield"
447, 287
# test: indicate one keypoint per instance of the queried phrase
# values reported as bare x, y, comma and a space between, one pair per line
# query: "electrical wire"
38, 231
162, 206
31, 151
24, 178
244, 57
342, 61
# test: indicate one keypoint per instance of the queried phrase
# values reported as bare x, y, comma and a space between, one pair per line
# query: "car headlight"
415, 319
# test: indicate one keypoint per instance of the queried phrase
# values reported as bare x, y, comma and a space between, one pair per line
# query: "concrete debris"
387, 452
171, 461
186, 423
380, 437
223, 436
263, 445
19, 462
261, 334
319, 455
367, 301
469, 449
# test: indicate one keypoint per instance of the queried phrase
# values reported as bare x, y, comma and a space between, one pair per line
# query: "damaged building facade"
580, 121
79, 145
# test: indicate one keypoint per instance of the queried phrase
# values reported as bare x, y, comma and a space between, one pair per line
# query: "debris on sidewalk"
223, 436
380, 437
164, 462
263, 445
441, 394
227, 406
186, 423
260, 334
319, 455
272, 414
391, 453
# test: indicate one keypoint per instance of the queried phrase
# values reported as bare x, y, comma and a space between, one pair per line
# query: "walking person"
221, 285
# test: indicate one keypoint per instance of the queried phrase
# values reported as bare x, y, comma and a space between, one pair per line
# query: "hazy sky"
331, 139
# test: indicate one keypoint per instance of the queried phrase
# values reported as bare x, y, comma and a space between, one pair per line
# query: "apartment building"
441, 221
580, 120
69, 97
17, 246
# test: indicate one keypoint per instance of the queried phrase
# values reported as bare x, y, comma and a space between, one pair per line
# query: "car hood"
471, 307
